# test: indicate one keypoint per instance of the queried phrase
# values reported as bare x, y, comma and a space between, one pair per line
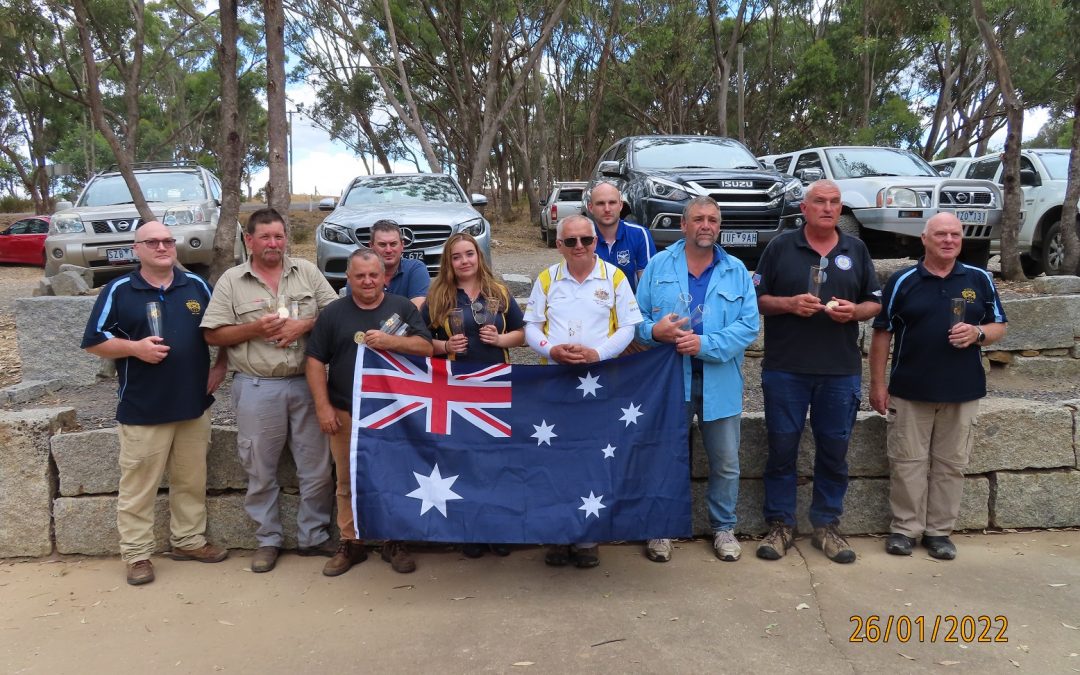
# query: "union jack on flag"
437, 388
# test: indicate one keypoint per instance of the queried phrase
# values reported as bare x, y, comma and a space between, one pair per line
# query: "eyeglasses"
572, 242
158, 243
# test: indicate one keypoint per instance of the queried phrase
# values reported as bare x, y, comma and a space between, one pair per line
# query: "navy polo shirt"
631, 250
175, 389
814, 345
699, 289
411, 279
511, 318
916, 309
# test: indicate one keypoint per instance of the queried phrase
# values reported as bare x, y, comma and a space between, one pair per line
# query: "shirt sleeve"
102, 319
871, 290
417, 325
883, 321
644, 299
515, 318
324, 292
994, 311
318, 340
732, 340
419, 281
646, 249
220, 311
763, 274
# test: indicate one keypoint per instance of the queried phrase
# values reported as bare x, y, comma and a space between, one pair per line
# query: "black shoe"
472, 550
585, 557
899, 544
501, 550
940, 547
557, 555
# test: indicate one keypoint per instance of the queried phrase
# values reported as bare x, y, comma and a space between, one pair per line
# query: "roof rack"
168, 164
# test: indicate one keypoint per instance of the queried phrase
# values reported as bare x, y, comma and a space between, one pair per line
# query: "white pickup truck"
888, 195
1043, 178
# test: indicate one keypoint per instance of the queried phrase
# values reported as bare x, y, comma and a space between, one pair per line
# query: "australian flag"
454, 451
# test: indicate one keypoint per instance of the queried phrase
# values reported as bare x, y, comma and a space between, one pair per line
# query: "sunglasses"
157, 243
572, 242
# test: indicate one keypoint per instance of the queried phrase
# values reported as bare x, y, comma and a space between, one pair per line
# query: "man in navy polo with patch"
628, 246
812, 362
165, 387
942, 313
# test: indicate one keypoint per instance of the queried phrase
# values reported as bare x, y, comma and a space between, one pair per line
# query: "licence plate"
119, 256
971, 217
414, 255
738, 238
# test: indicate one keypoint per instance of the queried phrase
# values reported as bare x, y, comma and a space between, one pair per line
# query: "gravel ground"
516, 249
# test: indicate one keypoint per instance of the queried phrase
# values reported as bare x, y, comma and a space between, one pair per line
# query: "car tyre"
549, 237
848, 225
1053, 251
1032, 267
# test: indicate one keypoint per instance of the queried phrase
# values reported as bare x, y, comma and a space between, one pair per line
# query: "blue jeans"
833, 402
721, 440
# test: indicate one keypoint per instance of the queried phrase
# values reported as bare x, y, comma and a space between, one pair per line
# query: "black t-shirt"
916, 310
815, 345
333, 340
511, 318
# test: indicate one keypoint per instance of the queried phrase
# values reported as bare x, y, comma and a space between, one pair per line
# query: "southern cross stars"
591, 505
434, 491
544, 433
589, 385
631, 414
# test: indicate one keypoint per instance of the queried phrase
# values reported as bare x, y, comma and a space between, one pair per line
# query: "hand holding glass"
154, 319
957, 310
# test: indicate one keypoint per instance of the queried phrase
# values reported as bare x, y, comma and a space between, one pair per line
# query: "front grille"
978, 231
747, 221
960, 198
113, 225
423, 236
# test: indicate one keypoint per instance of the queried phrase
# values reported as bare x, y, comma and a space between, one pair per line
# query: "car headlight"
658, 187
336, 234
474, 227
66, 223
898, 198
792, 190
185, 215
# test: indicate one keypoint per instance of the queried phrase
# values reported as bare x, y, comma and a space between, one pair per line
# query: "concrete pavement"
513, 614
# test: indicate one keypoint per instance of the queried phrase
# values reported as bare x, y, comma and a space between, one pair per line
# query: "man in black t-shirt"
360, 317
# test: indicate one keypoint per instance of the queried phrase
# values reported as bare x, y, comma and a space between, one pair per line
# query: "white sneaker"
658, 550
726, 546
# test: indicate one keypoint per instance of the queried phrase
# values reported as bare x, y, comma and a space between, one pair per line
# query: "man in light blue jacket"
702, 300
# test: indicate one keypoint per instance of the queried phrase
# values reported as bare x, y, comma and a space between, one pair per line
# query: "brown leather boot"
349, 552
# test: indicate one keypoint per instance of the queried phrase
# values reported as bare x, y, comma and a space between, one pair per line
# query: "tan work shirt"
241, 297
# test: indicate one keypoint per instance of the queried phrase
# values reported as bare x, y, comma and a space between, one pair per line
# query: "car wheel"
976, 253
549, 237
1053, 252
848, 225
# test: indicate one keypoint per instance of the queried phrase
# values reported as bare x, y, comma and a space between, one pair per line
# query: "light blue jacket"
730, 324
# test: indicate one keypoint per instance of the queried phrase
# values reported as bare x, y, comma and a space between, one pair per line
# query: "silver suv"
99, 229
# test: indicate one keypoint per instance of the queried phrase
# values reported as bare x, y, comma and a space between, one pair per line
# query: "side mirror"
1029, 178
62, 205
769, 165
327, 204
809, 175
478, 200
610, 168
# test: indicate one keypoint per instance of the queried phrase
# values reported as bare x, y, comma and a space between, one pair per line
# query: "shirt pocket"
726, 307
665, 296
251, 310
306, 304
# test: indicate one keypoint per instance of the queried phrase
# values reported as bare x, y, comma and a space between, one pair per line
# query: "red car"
24, 241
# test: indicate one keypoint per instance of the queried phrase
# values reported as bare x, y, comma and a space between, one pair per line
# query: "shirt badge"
623, 257
756, 279
194, 306
843, 262
968, 294
601, 295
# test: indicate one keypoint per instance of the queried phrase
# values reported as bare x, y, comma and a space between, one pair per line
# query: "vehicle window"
692, 153
808, 160
1056, 163
620, 152
19, 227
403, 190
782, 163
570, 194
860, 162
944, 168
983, 170
38, 226
158, 186
215, 188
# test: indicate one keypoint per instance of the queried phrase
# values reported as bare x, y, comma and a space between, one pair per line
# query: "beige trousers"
339, 448
929, 446
146, 451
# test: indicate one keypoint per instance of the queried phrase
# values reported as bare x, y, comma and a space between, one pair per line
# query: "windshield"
692, 153
859, 162
1056, 163
178, 186
403, 190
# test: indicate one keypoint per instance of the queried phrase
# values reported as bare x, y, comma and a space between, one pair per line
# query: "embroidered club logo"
623, 258
843, 262
601, 295
968, 294
194, 306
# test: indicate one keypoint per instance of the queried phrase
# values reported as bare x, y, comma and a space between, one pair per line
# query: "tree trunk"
1014, 112
1072, 193
231, 149
277, 127
721, 71
591, 153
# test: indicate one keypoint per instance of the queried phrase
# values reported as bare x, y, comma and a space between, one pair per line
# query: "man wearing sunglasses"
581, 310
812, 362
165, 388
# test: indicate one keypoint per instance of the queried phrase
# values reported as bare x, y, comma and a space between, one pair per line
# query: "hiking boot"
726, 546
658, 550
940, 547
899, 544
776, 543
835, 547
585, 557
472, 550
557, 555
140, 572
395, 553
349, 552
207, 553
264, 559
501, 550
327, 549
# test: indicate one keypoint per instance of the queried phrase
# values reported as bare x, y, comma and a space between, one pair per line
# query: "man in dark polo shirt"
935, 384
357, 318
403, 276
165, 387
812, 362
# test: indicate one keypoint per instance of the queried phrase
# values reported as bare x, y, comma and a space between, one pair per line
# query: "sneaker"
140, 572
940, 547
265, 559
585, 557
349, 552
899, 544
726, 546
836, 548
557, 555
395, 553
776, 543
207, 553
327, 549
658, 550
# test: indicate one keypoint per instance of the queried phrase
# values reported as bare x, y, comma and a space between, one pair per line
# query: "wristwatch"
982, 335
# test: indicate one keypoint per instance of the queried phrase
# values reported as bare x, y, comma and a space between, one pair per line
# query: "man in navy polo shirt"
404, 276
628, 246
165, 387
935, 384
812, 361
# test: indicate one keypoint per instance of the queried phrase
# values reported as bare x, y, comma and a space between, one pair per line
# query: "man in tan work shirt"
262, 311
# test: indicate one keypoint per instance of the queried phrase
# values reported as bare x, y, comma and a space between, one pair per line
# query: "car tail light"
554, 213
